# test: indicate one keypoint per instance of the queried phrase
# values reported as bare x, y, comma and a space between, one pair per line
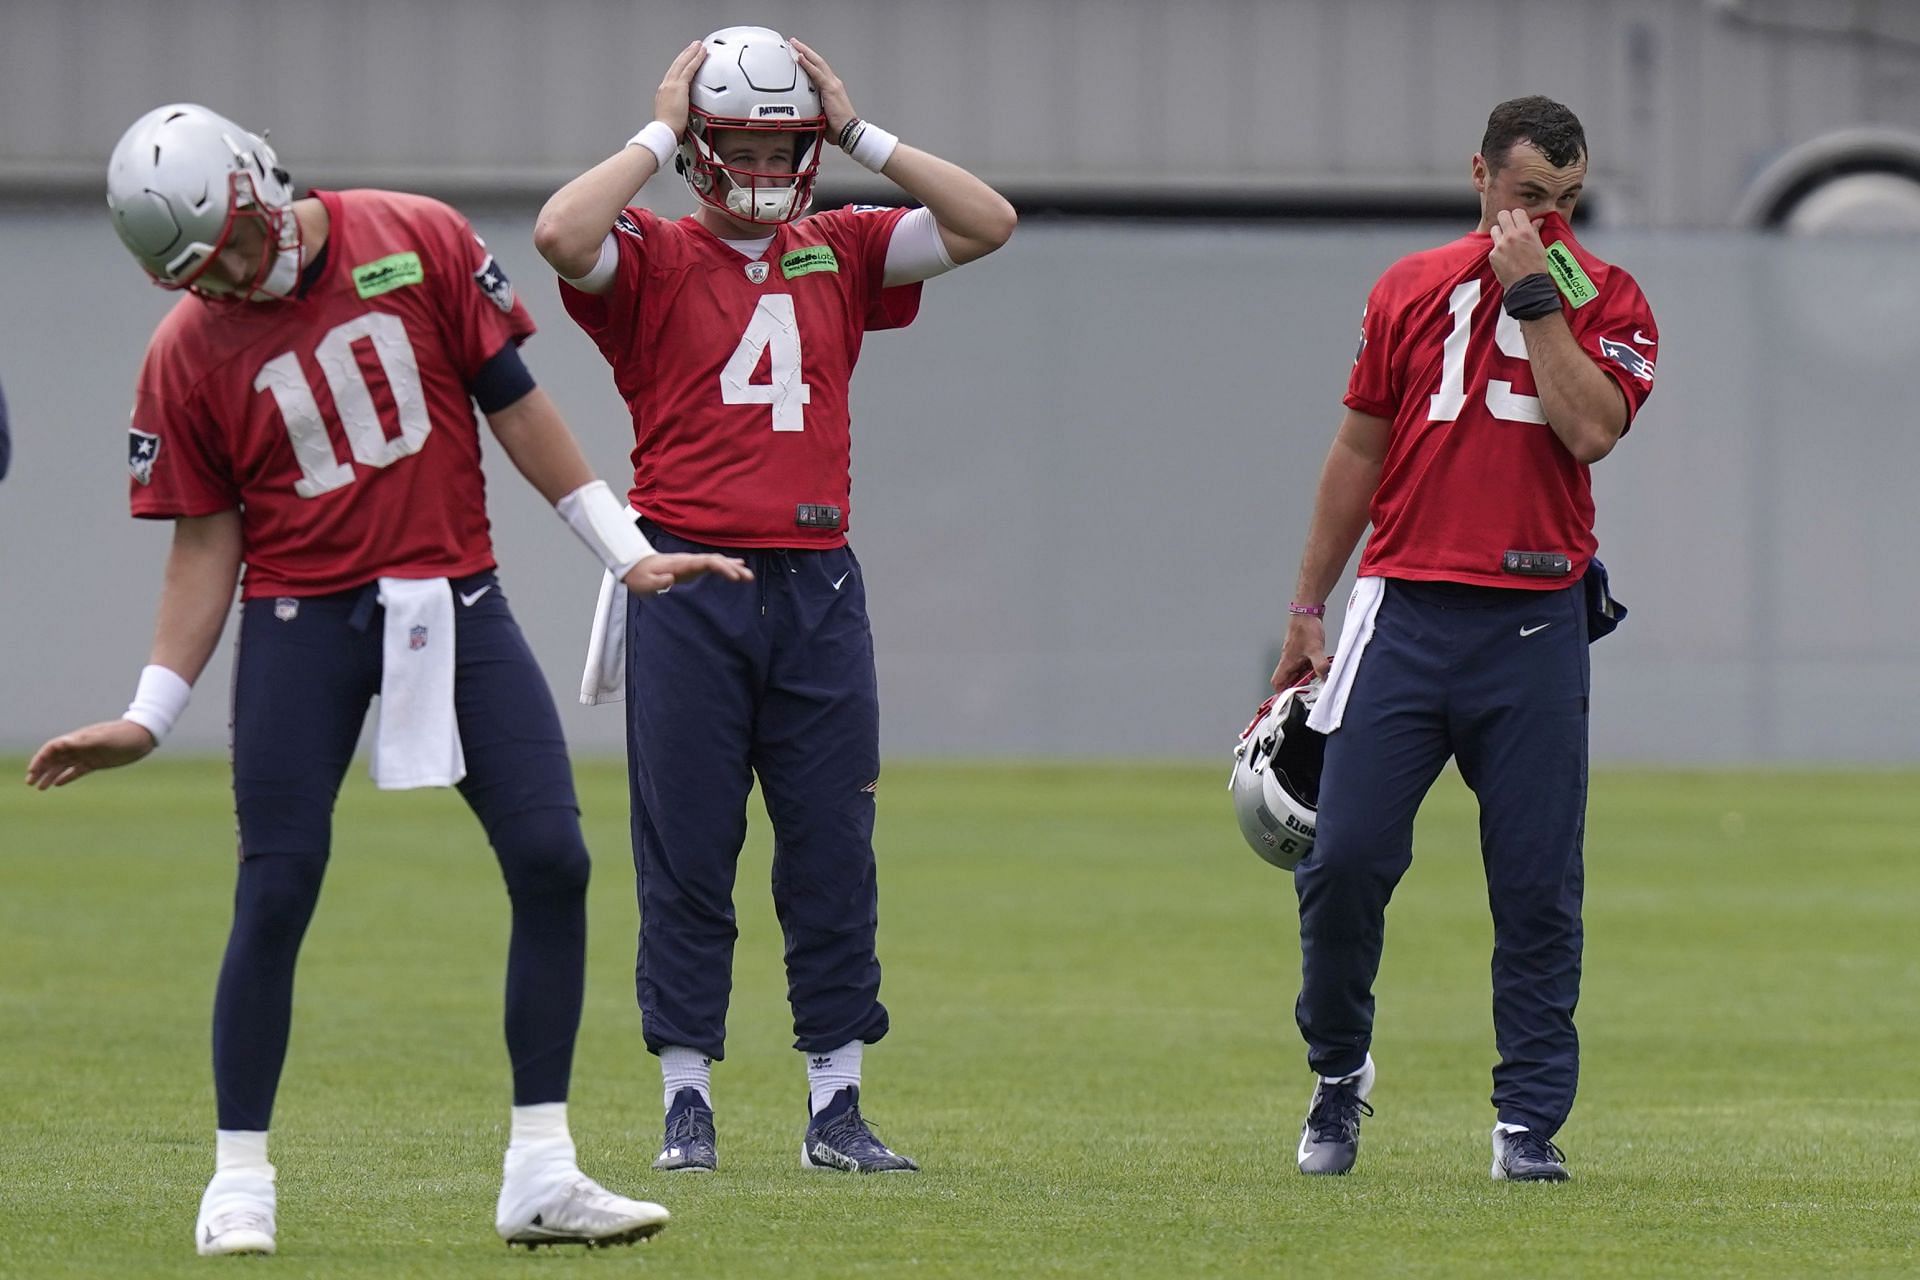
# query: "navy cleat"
1330, 1139
1521, 1155
690, 1138
838, 1138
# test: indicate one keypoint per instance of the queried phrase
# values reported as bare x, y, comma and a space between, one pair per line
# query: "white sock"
1501, 1126
539, 1133
241, 1151
684, 1068
829, 1073
1355, 1076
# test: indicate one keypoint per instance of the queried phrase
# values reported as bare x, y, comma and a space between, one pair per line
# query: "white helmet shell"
177, 180
751, 79
1276, 777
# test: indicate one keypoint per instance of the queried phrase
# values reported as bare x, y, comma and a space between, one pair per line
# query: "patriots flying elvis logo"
142, 448
1627, 358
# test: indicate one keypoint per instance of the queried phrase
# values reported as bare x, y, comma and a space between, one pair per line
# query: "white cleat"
236, 1215
568, 1207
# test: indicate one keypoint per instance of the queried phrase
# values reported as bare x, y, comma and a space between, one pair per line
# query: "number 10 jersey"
736, 371
339, 422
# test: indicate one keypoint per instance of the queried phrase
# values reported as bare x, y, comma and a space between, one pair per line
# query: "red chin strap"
707, 170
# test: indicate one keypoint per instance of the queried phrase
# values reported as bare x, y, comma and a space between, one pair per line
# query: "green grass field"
1093, 1056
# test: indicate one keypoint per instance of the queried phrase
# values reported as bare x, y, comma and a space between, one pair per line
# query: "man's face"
757, 150
237, 265
1527, 181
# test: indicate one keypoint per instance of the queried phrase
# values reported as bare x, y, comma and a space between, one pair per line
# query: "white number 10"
321, 470
772, 329
1502, 400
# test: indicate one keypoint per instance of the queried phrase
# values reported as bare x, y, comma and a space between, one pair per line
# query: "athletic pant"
1497, 679
305, 672
726, 681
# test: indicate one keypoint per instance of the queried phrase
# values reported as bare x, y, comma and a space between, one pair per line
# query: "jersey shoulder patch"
624, 222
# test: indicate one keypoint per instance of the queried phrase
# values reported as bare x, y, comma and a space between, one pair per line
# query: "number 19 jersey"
736, 371
1472, 468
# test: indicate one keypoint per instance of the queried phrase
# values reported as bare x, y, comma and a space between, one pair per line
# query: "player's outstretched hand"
1517, 251
658, 572
1305, 650
670, 99
73, 756
833, 94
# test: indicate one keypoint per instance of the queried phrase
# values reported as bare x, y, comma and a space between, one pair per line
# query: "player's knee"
277, 894
542, 851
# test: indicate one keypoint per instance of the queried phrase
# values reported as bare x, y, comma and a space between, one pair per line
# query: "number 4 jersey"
736, 370
338, 422
1472, 470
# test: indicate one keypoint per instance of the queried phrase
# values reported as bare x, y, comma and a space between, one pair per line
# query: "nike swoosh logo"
1527, 631
1303, 1148
842, 578
1643, 340
468, 600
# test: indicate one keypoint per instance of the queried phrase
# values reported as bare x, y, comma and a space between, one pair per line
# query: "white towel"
605, 679
418, 741
1363, 606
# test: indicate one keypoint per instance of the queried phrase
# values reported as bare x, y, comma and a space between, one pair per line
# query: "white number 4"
1502, 400
773, 329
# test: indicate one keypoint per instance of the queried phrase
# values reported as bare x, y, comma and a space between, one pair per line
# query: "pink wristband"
1307, 610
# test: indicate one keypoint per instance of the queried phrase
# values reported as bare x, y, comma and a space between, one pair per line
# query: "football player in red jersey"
307, 410
1492, 372
732, 335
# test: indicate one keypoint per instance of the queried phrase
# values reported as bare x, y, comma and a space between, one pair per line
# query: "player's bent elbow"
565, 251
1594, 444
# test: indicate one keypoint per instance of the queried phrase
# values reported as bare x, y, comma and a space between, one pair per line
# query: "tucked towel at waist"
418, 741
605, 679
1363, 606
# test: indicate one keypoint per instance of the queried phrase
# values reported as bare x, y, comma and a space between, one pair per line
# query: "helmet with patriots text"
752, 80
1276, 776
179, 183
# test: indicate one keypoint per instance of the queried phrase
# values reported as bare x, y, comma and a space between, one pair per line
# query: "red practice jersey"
736, 371
338, 422
1472, 470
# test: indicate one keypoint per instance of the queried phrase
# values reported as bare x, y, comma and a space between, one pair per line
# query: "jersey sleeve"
1370, 386
1621, 338
482, 312
602, 314
179, 465
870, 228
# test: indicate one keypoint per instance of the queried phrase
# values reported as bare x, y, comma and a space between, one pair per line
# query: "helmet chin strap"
283, 277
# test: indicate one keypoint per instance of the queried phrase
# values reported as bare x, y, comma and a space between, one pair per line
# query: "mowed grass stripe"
1093, 1054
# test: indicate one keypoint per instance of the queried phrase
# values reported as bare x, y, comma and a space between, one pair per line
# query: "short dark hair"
1545, 123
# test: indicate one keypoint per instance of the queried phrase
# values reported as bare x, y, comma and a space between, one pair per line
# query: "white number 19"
1502, 400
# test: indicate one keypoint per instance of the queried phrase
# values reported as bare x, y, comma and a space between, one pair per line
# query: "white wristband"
658, 138
869, 145
606, 525
158, 701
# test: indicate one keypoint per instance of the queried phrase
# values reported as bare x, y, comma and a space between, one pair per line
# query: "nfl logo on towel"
416, 637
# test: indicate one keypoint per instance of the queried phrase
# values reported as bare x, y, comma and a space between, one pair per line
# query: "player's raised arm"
202, 570
576, 220
974, 219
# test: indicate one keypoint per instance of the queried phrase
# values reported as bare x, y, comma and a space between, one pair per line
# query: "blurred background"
1082, 478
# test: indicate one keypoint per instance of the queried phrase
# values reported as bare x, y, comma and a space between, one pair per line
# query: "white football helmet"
1276, 777
752, 80
180, 180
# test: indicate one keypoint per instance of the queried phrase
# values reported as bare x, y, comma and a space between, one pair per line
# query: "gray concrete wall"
1684, 100
1082, 480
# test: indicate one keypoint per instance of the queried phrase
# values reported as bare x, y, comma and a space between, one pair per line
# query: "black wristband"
1531, 297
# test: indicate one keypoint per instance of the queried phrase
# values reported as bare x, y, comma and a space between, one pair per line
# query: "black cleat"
838, 1138
1330, 1139
1521, 1155
690, 1141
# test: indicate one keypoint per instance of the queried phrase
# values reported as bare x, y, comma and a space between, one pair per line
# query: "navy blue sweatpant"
726, 681
1497, 679
305, 673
